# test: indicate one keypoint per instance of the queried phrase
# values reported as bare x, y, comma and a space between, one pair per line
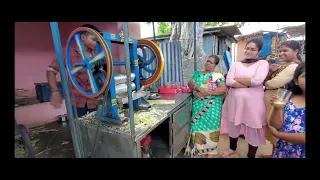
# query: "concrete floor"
54, 141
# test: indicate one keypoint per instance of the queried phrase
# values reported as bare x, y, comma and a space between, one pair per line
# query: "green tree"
184, 32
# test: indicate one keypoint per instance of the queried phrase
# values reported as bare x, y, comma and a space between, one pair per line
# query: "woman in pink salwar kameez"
244, 111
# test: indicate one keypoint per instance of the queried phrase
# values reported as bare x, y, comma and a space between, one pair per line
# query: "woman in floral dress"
289, 123
208, 90
280, 75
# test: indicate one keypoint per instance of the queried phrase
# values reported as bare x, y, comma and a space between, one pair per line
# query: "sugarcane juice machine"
107, 87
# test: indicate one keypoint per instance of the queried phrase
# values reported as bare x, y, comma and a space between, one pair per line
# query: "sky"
146, 30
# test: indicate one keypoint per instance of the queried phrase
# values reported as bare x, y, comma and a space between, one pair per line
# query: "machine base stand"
143, 105
107, 117
111, 120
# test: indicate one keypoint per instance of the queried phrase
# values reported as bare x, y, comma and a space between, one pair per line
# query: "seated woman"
208, 90
288, 124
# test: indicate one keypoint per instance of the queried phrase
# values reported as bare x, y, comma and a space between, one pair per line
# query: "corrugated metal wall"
172, 64
208, 45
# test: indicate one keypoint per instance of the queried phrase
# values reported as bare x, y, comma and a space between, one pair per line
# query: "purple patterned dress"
294, 122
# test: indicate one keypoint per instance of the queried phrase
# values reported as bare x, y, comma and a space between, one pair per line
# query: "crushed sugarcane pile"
19, 148
142, 120
41, 129
145, 119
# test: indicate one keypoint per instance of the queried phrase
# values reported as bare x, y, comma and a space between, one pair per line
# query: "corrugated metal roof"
292, 31
259, 34
226, 30
295, 31
251, 35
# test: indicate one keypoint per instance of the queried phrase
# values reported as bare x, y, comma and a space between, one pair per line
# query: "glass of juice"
283, 97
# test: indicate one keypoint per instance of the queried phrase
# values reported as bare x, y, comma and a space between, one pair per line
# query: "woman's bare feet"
228, 153
203, 155
213, 155
265, 156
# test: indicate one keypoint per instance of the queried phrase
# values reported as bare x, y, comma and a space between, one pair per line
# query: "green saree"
206, 117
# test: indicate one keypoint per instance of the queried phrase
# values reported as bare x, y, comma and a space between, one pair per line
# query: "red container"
164, 90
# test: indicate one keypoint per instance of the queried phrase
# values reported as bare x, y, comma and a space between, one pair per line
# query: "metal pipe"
128, 69
57, 45
154, 32
195, 45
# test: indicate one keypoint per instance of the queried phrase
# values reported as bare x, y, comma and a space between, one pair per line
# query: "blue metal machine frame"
131, 62
134, 66
109, 110
63, 75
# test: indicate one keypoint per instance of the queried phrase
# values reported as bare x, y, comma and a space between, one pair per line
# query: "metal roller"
122, 78
122, 88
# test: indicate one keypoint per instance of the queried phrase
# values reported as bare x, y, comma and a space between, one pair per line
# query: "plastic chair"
22, 133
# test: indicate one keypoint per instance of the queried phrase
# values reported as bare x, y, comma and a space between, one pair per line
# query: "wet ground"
49, 141
54, 141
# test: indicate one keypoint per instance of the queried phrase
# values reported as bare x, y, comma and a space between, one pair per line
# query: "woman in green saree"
208, 90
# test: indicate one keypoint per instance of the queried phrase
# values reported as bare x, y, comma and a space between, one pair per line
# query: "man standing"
82, 104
